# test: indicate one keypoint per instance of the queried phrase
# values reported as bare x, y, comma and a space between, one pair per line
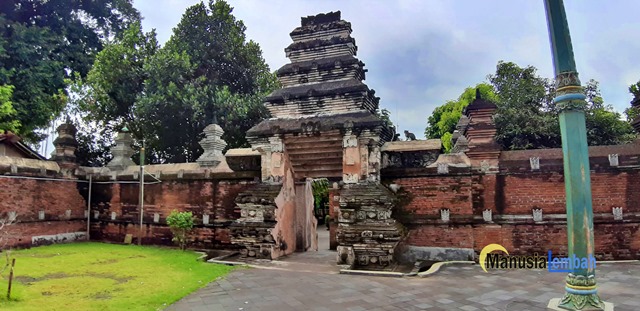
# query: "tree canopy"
167, 95
43, 44
526, 117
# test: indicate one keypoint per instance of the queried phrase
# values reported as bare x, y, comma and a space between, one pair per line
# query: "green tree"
181, 225
207, 68
7, 113
444, 119
44, 43
605, 126
633, 112
167, 95
526, 117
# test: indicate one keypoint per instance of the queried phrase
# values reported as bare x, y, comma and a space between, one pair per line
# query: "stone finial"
443, 168
444, 214
65, 144
213, 144
617, 213
537, 214
535, 163
122, 151
12, 216
487, 215
613, 159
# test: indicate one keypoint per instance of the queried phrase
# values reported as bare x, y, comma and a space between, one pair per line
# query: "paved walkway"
292, 285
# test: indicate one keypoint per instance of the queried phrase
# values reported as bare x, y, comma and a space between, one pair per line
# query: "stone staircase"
367, 233
252, 231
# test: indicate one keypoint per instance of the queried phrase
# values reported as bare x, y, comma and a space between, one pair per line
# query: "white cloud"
422, 53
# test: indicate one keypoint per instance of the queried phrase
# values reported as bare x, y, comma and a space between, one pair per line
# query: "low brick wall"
206, 197
47, 207
512, 194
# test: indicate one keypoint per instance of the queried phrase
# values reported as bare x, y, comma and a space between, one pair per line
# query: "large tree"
526, 117
167, 95
44, 43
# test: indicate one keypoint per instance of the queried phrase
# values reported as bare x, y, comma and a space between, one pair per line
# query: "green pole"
580, 288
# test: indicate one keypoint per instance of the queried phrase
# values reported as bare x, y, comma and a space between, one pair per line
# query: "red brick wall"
512, 194
427, 195
211, 197
27, 197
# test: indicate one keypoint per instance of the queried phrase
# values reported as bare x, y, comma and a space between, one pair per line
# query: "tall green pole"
580, 287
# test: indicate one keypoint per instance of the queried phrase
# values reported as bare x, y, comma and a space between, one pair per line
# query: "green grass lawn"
98, 276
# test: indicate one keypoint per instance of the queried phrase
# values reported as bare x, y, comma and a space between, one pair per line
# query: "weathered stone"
65, 144
122, 152
212, 144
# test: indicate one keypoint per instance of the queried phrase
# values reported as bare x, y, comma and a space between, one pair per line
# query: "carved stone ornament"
537, 214
613, 159
349, 141
484, 166
443, 168
535, 163
350, 178
444, 214
487, 215
617, 213
276, 144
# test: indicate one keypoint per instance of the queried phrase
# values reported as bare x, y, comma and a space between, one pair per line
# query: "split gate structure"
390, 201
324, 124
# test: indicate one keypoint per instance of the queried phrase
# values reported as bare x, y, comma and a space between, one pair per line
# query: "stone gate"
325, 124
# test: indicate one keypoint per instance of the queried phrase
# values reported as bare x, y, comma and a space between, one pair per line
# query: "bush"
181, 224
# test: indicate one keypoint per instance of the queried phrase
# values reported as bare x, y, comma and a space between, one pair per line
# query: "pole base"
556, 304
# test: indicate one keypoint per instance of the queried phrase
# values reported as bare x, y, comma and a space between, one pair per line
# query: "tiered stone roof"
324, 77
481, 130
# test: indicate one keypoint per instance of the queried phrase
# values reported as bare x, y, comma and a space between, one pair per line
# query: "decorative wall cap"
613, 159
617, 213
444, 214
535, 163
537, 214
487, 215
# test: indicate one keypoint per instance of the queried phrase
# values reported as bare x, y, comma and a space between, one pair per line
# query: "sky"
421, 53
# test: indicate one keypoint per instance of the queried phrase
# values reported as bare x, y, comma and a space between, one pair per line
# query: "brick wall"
511, 194
212, 197
27, 197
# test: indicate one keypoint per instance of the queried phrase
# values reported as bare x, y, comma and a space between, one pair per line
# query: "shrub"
181, 224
